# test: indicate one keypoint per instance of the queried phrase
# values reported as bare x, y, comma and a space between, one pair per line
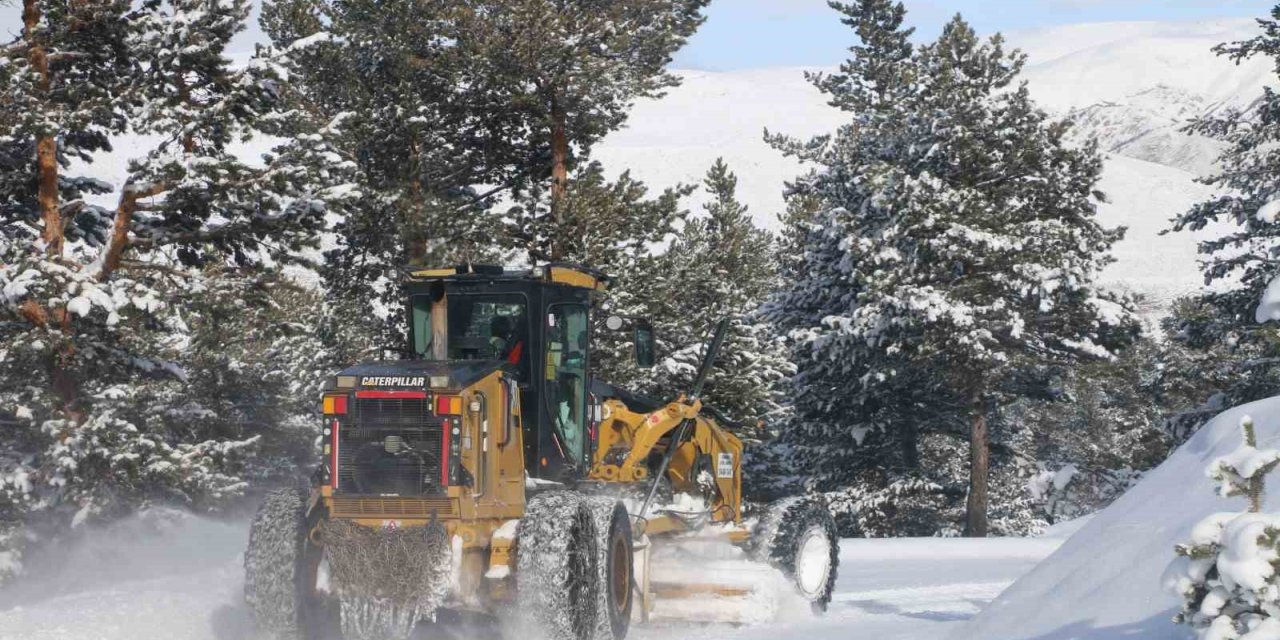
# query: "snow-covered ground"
1105, 581
183, 583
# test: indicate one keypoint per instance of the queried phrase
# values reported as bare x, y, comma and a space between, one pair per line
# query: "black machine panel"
391, 446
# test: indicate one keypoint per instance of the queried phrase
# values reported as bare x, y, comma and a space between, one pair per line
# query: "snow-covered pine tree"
879, 71
256, 357
1223, 327
1226, 575
721, 265
573, 68
62, 76
1216, 359
618, 228
958, 241
858, 439
425, 125
93, 299
1247, 184
1100, 430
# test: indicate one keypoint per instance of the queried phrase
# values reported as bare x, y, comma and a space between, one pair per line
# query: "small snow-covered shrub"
1226, 574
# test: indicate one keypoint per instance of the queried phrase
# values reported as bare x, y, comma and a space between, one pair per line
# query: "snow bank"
1066, 529
151, 544
1105, 581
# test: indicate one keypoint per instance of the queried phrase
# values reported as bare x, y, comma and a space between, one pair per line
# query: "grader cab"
488, 470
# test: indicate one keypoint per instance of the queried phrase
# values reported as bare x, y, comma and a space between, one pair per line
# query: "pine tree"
1100, 429
62, 76
957, 243
878, 72
1226, 575
573, 68
1227, 334
614, 227
95, 302
719, 266
424, 123
1246, 185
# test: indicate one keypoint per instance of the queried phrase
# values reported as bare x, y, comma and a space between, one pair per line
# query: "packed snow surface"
1106, 580
182, 581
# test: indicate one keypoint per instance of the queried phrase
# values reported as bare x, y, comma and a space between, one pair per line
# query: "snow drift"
1105, 581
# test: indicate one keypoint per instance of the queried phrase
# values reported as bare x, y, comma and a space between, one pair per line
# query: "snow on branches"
1226, 574
103, 310
953, 249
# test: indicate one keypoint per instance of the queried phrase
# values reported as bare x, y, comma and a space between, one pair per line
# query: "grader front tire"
279, 567
557, 570
798, 536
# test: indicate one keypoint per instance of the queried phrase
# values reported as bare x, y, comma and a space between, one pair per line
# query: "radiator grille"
393, 412
364, 465
343, 507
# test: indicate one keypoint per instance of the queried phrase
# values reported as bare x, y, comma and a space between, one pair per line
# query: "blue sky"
744, 34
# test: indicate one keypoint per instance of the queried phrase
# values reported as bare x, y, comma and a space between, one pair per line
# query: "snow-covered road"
185, 583
916, 589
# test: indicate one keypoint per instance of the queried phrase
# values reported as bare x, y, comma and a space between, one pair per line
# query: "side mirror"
646, 344
642, 336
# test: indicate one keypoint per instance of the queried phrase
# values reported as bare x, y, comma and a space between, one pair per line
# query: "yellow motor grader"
489, 471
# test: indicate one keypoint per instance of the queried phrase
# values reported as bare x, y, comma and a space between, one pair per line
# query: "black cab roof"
567, 274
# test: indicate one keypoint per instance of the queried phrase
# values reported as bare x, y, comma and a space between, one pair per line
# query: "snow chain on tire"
273, 564
557, 567
786, 530
615, 571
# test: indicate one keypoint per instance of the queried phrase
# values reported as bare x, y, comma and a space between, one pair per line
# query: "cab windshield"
480, 327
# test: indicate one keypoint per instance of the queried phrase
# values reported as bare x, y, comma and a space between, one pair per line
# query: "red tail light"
445, 444
448, 405
335, 405
333, 464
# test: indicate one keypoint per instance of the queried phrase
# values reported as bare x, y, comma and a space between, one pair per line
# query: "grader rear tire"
557, 567
798, 536
616, 573
280, 568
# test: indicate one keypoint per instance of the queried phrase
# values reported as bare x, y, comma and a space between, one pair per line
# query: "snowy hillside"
1075, 66
1134, 84
1148, 126
1131, 84
1143, 196
1105, 581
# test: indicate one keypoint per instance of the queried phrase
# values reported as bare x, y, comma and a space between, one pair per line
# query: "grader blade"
709, 581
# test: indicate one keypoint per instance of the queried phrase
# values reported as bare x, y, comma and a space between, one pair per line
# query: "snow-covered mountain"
1132, 85
1074, 66
1148, 126
1135, 84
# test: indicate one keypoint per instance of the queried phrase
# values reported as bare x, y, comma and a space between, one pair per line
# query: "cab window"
479, 328
566, 376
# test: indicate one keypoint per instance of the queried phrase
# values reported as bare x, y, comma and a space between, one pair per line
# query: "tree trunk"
413, 222
123, 222
559, 175
184, 96
979, 465
909, 444
46, 145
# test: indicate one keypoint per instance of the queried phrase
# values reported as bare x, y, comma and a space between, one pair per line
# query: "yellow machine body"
480, 516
